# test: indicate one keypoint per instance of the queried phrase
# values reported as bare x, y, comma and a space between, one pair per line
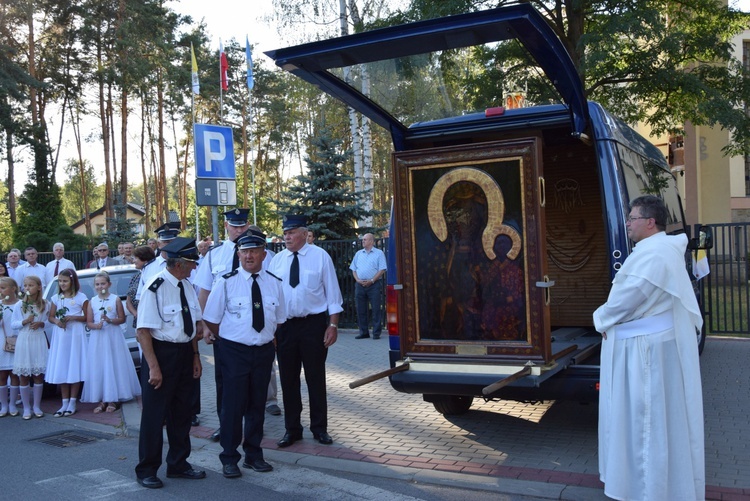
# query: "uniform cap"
182, 248
292, 221
237, 217
251, 240
168, 231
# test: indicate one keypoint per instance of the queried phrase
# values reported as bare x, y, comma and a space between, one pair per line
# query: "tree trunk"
103, 116
76, 123
144, 174
11, 175
162, 159
124, 149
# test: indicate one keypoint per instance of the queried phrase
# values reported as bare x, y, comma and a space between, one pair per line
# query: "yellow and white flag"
194, 71
700, 264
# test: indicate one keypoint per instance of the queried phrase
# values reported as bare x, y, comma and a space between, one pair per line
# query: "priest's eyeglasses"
630, 219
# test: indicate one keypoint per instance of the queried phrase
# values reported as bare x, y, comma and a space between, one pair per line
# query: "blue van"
508, 224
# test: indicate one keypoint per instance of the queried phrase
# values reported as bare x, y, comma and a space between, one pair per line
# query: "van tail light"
391, 316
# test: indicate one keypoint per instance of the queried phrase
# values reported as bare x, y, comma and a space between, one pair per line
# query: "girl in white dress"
30, 359
8, 293
111, 378
66, 365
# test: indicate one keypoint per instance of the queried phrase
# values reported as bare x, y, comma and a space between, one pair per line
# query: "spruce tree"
325, 194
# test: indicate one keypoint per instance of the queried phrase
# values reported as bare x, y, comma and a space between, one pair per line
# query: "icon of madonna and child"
469, 253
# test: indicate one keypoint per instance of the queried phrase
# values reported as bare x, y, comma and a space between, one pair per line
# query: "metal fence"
726, 289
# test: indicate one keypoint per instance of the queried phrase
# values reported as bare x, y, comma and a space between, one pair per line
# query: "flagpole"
250, 85
194, 88
221, 86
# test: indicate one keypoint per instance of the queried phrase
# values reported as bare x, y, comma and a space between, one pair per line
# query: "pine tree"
119, 228
325, 194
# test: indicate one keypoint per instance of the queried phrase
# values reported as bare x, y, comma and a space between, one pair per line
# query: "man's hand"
330, 336
155, 378
197, 367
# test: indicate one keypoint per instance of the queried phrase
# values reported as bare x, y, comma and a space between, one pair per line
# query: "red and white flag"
224, 66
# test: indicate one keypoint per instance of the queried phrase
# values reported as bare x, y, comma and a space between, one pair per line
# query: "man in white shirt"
14, 261
32, 267
169, 326
242, 310
313, 304
368, 267
58, 264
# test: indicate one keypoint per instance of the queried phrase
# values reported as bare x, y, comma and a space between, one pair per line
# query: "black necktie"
258, 318
187, 320
294, 272
235, 258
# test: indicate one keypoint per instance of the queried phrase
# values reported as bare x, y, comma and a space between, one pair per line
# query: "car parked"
120, 277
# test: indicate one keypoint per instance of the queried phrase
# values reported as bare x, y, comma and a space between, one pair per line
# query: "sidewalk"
544, 450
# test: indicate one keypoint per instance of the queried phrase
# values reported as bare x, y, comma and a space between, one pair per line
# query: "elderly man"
31, 267
127, 253
14, 261
243, 309
218, 261
102, 257
368, 267
313, 304
169, 326
58, 264
651, 443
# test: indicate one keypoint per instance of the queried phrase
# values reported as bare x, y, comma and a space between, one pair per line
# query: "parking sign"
214, 152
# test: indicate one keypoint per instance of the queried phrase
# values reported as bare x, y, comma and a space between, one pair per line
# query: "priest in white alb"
651, 444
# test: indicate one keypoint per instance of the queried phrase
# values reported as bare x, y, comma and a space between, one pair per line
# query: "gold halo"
495, 209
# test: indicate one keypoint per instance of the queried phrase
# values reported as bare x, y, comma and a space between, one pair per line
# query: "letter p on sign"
218, 153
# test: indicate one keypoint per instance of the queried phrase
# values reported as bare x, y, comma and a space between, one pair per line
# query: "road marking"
92, 484
301, 482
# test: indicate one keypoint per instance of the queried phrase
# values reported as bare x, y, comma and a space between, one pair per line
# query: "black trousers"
299, 343
173, 402
218, 380
246, 371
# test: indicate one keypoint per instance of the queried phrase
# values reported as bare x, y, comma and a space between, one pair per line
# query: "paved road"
547, 450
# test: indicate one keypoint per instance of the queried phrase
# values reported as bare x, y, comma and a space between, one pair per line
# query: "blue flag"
249, 57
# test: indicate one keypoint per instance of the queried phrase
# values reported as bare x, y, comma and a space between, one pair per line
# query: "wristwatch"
335, 326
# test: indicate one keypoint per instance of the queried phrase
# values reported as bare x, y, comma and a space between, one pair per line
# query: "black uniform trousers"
246, 371
299, 343
172, 401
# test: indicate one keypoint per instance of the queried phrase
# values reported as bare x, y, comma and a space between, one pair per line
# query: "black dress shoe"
196, 421
190, 474
231, 471
152, 482
288, 439
323, 437
375, 337
216, 436
258, 465
362, 336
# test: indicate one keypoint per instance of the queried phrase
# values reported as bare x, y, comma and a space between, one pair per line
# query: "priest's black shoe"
288, 439
190, 474
216, 436
231, 471
323, 437
152, 482
258, 465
